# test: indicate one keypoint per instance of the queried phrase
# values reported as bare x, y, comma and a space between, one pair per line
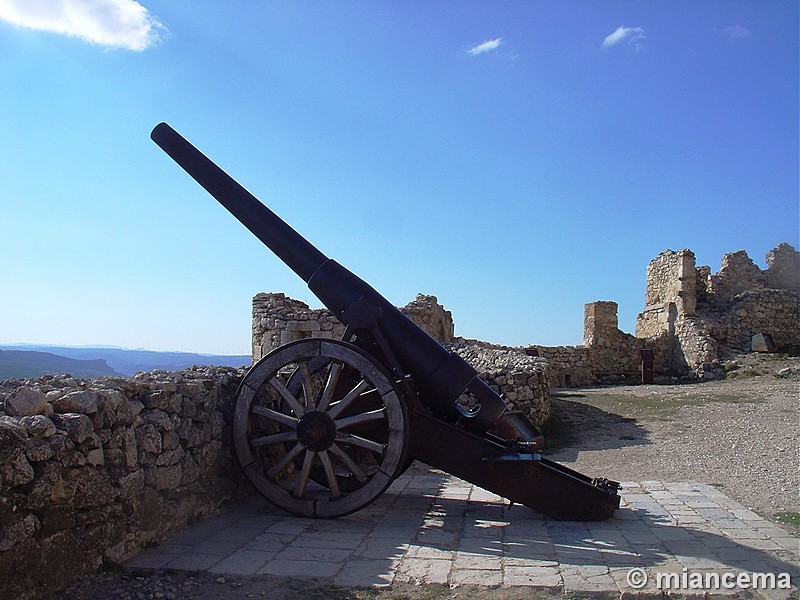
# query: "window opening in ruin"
298, 335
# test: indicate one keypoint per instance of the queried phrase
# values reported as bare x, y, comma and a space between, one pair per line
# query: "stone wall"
278, 320
607, 354
776, 312
738, 274
704, 315
569, 366
431, 317
783, 269
671, 278
91, 471
522, 380
692, 318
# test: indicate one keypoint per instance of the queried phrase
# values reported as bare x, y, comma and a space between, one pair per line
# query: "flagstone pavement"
429, 527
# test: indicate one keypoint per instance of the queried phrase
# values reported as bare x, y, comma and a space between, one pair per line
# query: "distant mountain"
28, 363
128, 362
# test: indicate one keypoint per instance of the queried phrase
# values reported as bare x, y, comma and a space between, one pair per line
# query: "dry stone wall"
91, 471
569, 366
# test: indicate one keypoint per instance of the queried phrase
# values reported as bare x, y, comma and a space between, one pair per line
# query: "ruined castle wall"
521, 379
278, 320
671, 277
738, 274
704, 314
91, 471
431, 317
691, 318
783, 268
570, 366
775, 312
671, 290
692, 346
611, 351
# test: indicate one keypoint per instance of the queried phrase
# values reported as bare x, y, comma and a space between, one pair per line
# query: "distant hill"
127, 362
27, 363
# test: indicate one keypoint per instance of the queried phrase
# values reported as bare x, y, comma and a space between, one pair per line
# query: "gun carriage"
322, 427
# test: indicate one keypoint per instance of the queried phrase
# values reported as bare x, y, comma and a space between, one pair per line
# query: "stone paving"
430, 527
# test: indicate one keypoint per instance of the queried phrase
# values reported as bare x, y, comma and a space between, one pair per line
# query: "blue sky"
515, 159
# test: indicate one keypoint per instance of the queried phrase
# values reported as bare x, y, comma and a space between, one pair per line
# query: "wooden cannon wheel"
319, 428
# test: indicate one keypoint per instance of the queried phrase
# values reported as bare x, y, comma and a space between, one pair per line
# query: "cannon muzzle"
292, 248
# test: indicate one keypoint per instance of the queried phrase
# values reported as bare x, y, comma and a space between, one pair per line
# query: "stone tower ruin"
697, 316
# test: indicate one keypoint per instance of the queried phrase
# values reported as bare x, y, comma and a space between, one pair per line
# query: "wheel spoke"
349, 463
333, 484
284, 461
287, 395
345, 402
305, 473
277, 438
330, 386
274, 415
308, 390
367, 417
355, 440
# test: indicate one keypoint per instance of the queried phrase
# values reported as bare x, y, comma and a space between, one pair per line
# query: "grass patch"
744, 373
790, 518
653, 402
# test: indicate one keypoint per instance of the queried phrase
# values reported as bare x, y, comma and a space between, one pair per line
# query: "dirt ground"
740, 434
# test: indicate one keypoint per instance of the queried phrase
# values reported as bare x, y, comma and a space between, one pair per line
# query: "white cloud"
110, 23
484, 47
632, 34
737, 31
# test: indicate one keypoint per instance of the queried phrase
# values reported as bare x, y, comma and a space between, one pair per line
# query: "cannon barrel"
440, 376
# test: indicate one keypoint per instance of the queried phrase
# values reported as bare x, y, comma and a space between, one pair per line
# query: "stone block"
25, 401
78, 427
83, 402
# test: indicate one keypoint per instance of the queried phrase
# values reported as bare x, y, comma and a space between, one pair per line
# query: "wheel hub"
316, 431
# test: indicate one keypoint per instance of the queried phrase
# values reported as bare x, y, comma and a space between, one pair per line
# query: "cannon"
321, 427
